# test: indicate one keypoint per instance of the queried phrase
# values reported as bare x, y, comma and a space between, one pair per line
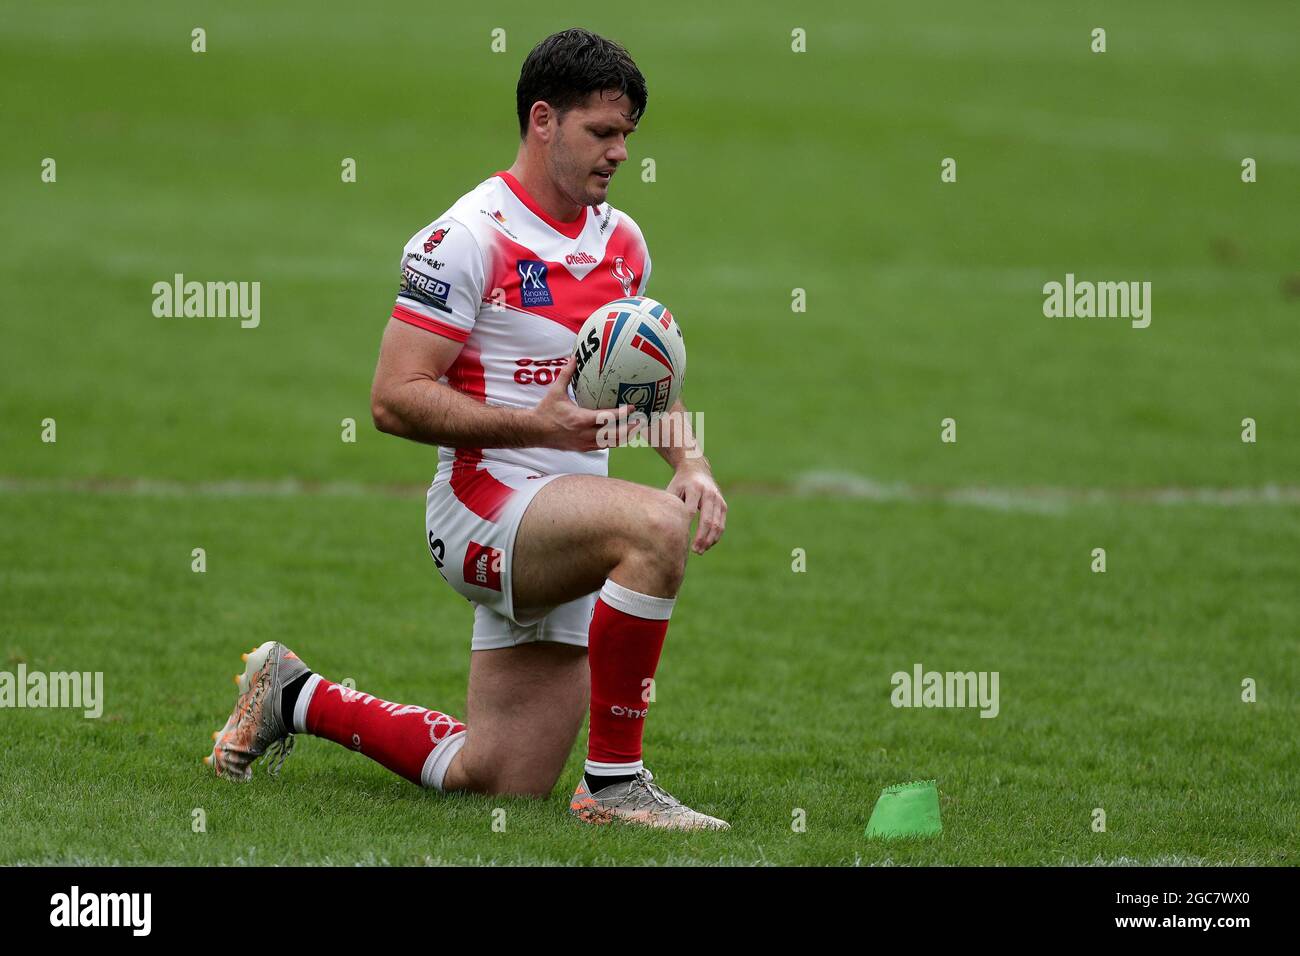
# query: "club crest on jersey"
533, 290
435, 237
422, 288
623, 274
648, 399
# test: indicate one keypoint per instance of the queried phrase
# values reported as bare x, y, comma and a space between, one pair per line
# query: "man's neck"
532, 176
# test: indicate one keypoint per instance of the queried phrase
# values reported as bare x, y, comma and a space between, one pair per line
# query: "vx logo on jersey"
533, 289
623, 274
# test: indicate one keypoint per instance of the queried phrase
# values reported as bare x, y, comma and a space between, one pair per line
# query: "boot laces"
278, 753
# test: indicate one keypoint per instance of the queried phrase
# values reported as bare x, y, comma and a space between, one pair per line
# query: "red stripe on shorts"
475, 487
472, 485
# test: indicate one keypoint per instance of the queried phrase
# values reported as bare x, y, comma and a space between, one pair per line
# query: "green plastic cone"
906, 809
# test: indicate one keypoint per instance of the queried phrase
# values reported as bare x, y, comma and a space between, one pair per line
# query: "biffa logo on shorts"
483, 566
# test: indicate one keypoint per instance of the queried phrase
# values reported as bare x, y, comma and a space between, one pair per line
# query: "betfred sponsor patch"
424, 288
483, 566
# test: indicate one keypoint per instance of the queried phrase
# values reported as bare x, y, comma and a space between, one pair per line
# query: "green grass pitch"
775, 170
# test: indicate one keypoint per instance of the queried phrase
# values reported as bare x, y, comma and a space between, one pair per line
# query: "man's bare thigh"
526, 703
572, 535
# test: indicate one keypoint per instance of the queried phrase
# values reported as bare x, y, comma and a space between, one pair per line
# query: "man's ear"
541, 121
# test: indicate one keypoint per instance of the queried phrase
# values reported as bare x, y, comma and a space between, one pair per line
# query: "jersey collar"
571, 230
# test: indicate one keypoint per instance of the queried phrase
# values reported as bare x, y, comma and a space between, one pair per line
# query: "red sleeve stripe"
429, 325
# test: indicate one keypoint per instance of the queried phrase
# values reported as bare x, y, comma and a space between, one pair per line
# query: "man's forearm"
676, 442
436, 414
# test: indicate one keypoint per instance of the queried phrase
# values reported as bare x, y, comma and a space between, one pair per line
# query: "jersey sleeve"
442, 279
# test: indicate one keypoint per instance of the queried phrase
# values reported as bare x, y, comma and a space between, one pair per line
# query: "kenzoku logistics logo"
533, 290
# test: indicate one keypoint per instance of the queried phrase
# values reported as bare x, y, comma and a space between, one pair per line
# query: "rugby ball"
629, 352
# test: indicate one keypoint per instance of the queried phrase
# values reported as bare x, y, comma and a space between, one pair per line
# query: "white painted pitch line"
1042, 499
234, 488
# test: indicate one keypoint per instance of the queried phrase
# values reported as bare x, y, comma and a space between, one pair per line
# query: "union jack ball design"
629, 352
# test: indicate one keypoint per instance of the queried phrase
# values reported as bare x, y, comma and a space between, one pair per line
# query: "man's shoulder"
469, 215
444, 265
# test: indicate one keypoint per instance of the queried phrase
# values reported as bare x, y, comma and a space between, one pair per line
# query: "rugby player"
573, 575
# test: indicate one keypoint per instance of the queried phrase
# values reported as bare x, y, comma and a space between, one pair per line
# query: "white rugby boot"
640, 801
255, 725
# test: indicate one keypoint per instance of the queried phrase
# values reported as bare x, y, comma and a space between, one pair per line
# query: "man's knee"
511, 782
502, 771
665, 537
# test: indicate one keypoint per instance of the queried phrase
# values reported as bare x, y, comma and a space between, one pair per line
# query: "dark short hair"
567, 67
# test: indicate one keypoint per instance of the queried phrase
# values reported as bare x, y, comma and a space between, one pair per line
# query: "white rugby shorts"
471, 520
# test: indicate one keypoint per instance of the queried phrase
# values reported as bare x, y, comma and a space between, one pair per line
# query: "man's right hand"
561, 423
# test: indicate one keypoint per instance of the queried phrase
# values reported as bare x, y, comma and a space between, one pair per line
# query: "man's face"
589, 144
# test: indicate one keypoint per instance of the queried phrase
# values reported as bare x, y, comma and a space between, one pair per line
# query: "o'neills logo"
580, 259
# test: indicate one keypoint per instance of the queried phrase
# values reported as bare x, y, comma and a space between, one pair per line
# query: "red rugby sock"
624, 643
411, 741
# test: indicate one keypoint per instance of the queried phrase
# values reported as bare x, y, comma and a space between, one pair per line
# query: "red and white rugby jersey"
500, 275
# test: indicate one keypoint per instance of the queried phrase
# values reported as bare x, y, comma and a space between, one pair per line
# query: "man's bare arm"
677, 442
692, 477
407, 400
